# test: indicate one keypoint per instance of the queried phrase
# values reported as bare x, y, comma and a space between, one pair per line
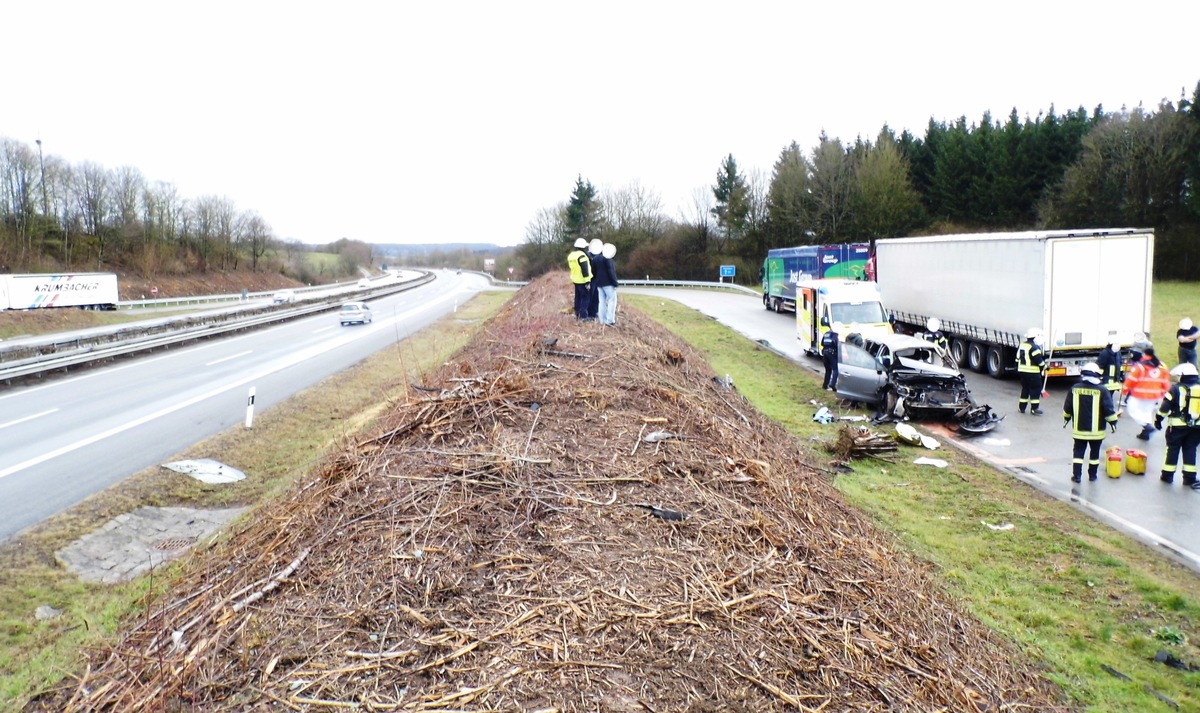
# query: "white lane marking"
231, 356
27, 418
289, 361
326, 329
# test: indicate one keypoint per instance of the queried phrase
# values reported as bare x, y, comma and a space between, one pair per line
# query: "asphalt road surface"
70, 437
1035, 449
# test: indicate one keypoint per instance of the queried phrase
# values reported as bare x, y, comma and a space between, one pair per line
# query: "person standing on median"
595, 250
1181, 409
606, 282
1090, 406
581, 277
1030, 362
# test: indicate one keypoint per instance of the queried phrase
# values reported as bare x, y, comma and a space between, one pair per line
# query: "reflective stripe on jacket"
1090, 407
1180, 403
1030, 358
1146, 381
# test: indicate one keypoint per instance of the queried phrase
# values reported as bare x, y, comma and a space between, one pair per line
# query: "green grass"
1070, 592
285, 443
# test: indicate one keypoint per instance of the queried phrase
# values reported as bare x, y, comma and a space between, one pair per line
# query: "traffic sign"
728, 270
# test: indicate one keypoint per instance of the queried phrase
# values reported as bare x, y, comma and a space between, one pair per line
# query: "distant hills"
406, 249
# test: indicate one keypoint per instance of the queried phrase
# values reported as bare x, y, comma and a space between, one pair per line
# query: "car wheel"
997, 362
977, 357
958, 350
775, 305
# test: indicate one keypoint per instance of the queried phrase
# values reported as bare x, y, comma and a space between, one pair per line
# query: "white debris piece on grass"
206, 470
1001, 526
910, 435
936, 462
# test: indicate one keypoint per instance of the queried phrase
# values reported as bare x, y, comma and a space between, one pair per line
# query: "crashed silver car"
906, 377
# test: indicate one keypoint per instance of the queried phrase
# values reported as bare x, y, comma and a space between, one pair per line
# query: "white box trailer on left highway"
88, 290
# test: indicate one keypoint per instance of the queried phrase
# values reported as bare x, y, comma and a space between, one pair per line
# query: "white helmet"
1185, 323
1185, 369
610, 250
1033, 333
1091, 369
933, 324
596, 246
581, 243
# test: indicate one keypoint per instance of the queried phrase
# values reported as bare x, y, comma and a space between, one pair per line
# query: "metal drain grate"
174, 543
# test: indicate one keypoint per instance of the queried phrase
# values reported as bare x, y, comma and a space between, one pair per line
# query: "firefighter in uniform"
935, 334
581, 277
1090, 406
1181, 409
1030, 362
829, 355
1111, 373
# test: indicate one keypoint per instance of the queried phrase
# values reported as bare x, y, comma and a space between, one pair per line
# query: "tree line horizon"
1131, 168
1135, 168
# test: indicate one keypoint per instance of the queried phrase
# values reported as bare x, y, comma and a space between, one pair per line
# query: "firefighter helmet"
1185, 369
1033, 333
1090, 369
581, 243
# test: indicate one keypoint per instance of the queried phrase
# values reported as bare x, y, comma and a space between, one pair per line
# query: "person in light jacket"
1144, 387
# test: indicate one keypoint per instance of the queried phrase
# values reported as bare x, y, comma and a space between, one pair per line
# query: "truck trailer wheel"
998, 359
977, 357
958, 350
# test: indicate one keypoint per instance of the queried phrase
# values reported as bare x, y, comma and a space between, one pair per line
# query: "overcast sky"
458, 121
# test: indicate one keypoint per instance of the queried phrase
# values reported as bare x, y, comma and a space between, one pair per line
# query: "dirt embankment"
567, 518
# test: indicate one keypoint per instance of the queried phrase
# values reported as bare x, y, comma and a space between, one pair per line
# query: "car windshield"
861, 313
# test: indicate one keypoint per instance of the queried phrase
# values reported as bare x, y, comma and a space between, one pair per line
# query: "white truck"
88, 290
821, 303
1081, 288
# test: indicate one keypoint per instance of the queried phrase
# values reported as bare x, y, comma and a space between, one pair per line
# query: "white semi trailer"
89, 290
1081, 288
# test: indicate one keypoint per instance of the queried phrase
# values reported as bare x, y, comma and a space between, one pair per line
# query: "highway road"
1035, 449
70, 437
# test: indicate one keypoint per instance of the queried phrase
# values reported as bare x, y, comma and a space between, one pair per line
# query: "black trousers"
1182, 440
1031, 390
829, 358
582, 295
1093, 464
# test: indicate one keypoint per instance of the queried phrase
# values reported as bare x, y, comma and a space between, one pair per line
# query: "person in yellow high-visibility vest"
1030, 361
581, 276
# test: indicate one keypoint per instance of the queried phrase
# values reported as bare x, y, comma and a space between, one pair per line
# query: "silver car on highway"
908, 377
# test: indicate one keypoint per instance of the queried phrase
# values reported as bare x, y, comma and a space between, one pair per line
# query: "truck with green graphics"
785, 267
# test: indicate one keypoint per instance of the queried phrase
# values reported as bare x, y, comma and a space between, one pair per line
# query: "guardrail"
691, 284
30, 359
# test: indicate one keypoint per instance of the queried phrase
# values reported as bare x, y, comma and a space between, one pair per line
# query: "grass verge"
285, 443
1071, 592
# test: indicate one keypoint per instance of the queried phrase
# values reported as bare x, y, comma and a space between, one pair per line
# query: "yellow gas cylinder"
1135, 461
1114, 462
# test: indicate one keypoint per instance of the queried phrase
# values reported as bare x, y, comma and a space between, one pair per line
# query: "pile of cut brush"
568, 517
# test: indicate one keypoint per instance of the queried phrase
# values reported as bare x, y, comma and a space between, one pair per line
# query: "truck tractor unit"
822, 303
785, 267
1082, 289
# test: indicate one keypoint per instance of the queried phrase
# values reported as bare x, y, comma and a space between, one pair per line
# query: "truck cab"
820, 303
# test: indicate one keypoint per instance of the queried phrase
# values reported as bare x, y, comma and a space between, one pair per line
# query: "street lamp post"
42, 161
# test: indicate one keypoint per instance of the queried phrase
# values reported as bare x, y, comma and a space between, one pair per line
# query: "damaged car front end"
907, 377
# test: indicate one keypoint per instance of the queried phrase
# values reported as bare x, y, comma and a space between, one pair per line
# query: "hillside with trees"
1131, 168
